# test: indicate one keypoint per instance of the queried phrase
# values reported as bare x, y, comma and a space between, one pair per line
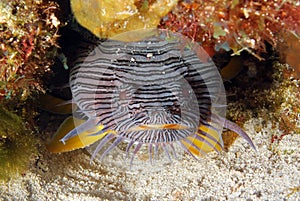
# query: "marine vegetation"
234, 25
273, 95
28, 34
17, 145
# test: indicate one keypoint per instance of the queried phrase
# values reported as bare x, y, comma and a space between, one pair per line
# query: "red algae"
28, 35
237, 25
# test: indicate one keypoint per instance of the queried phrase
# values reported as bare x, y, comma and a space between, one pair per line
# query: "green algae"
17, 145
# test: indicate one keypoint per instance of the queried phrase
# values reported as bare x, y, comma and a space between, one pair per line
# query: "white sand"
239, 174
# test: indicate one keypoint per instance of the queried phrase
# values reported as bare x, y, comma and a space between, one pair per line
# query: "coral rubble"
273, 94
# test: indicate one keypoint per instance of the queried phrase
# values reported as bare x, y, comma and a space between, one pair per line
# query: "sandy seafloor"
239, 174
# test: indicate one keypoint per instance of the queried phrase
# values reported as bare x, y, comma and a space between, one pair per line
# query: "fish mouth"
158, 127
156, 133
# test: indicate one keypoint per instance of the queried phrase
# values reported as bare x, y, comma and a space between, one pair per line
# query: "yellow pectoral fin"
55, 105
78, 141
204, 146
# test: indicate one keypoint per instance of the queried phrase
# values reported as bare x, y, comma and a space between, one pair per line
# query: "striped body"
156, 92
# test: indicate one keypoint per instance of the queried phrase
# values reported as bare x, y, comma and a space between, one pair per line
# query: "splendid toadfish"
149, 90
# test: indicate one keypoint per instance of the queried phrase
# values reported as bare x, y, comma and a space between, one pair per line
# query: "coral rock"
108, 18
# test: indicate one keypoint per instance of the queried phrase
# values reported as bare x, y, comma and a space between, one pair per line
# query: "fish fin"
201, 144
235, 128
78, 140
55, 105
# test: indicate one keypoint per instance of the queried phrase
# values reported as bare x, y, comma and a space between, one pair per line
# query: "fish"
152, 92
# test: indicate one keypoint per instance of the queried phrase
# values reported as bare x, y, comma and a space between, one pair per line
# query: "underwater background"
255, 46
